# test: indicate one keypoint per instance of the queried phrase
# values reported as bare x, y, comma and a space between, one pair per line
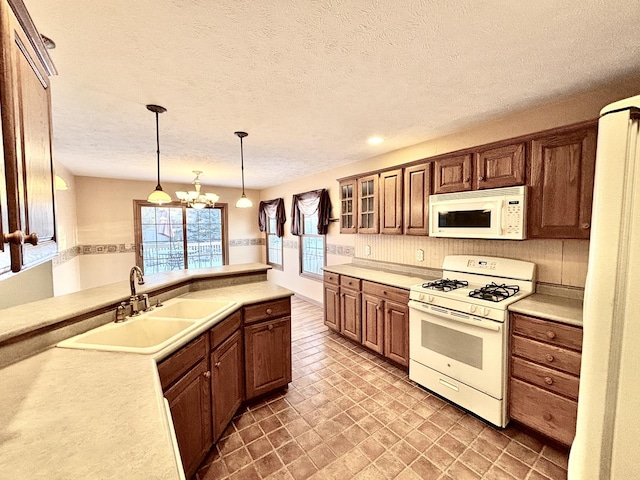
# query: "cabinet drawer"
546, 412
332, 278
350, 282
178, 363
266, 310
224, 329
547, 378
546, 331
385, 291
549, 355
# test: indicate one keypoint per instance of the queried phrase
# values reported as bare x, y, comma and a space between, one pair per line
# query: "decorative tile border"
246, 242
343, 250
107, 248
66, 255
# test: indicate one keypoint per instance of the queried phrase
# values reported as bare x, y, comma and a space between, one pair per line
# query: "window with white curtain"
310, 221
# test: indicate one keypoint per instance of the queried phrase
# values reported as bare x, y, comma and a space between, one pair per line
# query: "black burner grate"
445, 285
494, 292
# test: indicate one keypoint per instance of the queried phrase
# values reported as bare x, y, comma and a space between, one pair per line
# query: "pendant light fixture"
243, 202
158, 196
196, 199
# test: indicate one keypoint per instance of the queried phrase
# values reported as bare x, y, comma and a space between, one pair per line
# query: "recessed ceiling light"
375, 140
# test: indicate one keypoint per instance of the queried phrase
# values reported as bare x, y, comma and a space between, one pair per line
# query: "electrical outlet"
367, 250
420, 255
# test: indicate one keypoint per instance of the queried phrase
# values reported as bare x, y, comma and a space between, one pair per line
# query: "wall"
559, 262
30, 285
106, 230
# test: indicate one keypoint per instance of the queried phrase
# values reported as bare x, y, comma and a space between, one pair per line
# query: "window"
173, 237
274, 245
311, 247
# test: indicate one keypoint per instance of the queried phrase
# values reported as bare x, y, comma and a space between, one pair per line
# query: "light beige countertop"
559, 309
78, 414
378, 276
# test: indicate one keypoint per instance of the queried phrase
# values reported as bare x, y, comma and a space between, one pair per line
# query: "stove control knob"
430, 299
421, 297
472, 308
485, 312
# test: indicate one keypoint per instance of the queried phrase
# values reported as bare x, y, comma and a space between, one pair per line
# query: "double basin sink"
153, 330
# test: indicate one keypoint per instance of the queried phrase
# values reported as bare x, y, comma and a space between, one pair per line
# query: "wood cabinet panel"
546, 412
350, 282
373, 323
348, 206
350, 313
189, 401
331, 278
396, 332
391, 202
552, 380
224, 329
500, 167
386, 292
547, 331
332, 306
562, 174
368, 204
267, 347
227, 382
5, 249
452, 174
549, 355
267, 310
175, 366
417, 188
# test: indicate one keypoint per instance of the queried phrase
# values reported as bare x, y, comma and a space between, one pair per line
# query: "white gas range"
458, 331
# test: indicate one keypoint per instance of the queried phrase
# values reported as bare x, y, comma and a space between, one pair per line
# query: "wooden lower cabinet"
350, 313
227, 382
373, 323
331, 301
396, 332
186, 382
544, 376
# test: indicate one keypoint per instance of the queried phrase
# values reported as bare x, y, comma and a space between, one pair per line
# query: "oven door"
469, 349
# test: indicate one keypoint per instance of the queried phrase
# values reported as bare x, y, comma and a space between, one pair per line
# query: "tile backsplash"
559, 262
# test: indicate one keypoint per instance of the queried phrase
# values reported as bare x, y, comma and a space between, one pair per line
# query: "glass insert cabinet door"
348, 214
368, 204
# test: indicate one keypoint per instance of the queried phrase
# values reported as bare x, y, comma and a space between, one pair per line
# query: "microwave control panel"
513, 217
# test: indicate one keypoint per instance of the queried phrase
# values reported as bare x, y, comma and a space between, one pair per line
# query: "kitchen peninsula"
87, 414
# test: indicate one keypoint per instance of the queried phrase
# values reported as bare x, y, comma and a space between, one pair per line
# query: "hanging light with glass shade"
196, 199
243, 202
158, 196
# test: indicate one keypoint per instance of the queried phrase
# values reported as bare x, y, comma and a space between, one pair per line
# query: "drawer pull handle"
207, 374
551, 335
548, 380
547, 416
549, 357
269, 311
270, 327
217, 365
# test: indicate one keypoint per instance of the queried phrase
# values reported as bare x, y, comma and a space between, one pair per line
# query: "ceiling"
309, 80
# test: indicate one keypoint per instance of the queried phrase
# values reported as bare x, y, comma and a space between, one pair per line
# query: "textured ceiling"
309, 80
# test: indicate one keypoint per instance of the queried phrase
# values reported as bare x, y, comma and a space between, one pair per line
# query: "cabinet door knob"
481, 179
551, 335
18, 238
585, 226
270, 327
549, 357
217, 364
269, 311
207, 374
548, 380
547, 416
467, 179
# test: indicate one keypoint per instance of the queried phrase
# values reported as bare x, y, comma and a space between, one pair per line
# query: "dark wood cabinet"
227, 382
368, 204
28, 210
373, 323
562, 174
348, 206
417, 188
186, 382
331, 301
545, 376
350, 307
396, 331
452, 174
499, 167
391, 198
267, 347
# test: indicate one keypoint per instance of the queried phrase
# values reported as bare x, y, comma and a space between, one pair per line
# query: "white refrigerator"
607, 442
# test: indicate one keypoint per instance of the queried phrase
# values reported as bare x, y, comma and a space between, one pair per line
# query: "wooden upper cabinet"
26, 130
368, 204
391, 201
561, 194
417, 188
452, 174
500, 167
5, 249
348, 206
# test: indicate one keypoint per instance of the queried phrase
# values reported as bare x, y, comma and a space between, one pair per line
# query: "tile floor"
349, 414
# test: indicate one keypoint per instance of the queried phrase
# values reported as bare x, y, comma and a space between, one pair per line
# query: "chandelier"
195, 199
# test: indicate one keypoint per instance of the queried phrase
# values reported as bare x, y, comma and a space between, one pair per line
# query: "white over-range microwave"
498, 213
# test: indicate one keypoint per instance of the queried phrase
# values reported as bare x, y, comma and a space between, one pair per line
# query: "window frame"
311, 275
269, 233
137, 222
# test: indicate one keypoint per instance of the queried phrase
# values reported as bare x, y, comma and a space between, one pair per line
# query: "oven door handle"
443, 313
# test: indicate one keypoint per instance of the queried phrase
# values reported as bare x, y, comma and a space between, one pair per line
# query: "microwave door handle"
442, 313
501, 218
